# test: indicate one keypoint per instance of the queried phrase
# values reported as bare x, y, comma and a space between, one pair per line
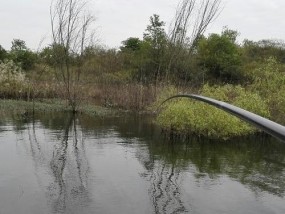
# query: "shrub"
12, 79
186, 116
269, 82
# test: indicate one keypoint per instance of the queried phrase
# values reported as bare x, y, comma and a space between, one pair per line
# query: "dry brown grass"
129, 96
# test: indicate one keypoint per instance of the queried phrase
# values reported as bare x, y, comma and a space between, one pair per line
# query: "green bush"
269, 83
220, 56
185, 117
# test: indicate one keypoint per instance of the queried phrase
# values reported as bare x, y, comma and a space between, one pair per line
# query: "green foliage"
131, 44
269, 82
164, 93
54, 55
153, 47
157, 61
238, 96
49, 105
220, 55
261, 50
186, 116
146, 58
22, 55
155, 33
3, 53
124, 76
134, 55
18, 45
99, 61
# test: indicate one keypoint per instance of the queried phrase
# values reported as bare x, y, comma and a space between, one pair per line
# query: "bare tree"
190, 22
71, 25
192, 19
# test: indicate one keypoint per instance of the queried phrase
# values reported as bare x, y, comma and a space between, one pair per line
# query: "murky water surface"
58, 163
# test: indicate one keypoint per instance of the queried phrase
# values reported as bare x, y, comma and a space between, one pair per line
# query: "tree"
21, 54
18, 45
131, 44
190, 22
71, 28
261, 50
220, 55
3, 53
193, 16
155, 33
155, 39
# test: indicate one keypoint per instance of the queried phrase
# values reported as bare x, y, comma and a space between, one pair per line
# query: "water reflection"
67, 151
68, 164
165, 190
164, 178
255, 163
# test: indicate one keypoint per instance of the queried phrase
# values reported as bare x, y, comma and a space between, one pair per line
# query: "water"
58, 163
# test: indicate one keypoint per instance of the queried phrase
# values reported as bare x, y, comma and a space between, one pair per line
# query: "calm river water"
58, 163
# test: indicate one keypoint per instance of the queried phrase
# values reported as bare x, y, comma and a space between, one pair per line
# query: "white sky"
118, 20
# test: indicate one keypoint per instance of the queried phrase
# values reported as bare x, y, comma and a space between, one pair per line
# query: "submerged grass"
21, 105
48, 105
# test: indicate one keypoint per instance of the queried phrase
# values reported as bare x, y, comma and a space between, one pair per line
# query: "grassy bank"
184, 117
262, 92
262, 95
50, 105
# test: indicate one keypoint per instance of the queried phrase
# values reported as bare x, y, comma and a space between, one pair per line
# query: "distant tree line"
20, 54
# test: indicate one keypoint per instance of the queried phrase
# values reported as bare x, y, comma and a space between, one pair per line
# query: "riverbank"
181, 117
51, 105
184, 116
263, 94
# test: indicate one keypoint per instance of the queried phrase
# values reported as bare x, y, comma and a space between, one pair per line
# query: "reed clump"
13, 82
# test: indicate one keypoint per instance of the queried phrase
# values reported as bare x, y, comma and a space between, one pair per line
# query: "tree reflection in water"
165, 190
68, 164
165, 178
256, 162
58, 150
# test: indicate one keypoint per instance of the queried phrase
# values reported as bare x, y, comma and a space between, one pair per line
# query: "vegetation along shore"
79, 76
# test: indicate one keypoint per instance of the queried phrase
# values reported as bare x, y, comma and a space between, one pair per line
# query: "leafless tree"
190, 22
192, 19
71, 24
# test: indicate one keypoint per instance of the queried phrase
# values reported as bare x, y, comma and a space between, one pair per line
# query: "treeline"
20, 54
135, 74
216, 58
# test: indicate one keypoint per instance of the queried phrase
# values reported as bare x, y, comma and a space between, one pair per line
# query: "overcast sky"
117, 20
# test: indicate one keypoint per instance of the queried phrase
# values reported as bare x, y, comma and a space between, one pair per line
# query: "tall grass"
269, 83
12, 80
130, 96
